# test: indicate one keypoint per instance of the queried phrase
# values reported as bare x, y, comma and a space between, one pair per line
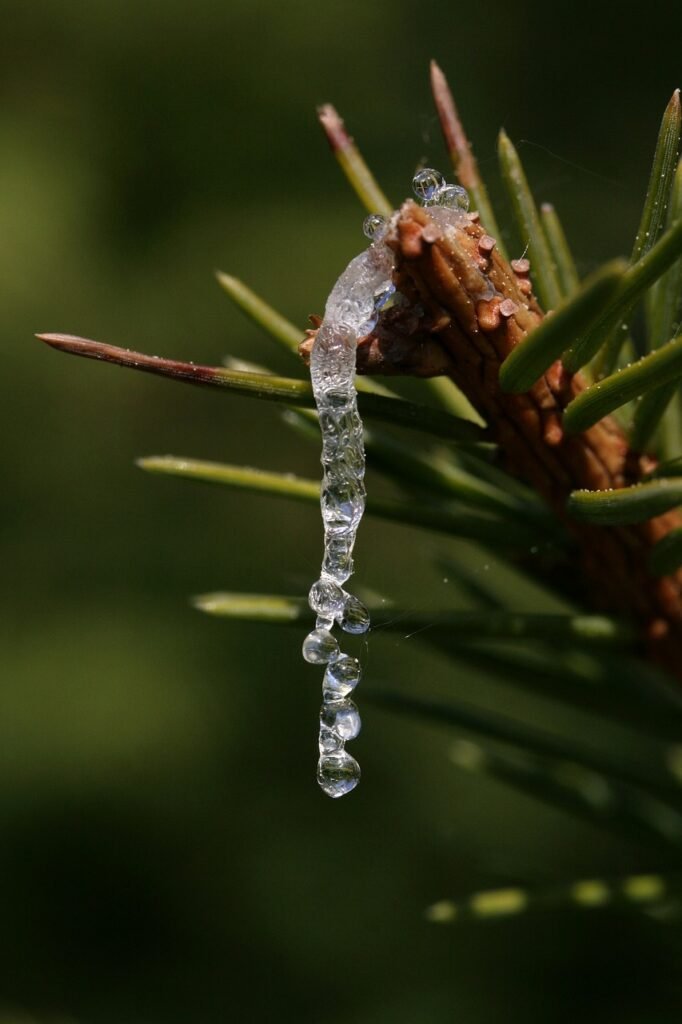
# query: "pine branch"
446, 277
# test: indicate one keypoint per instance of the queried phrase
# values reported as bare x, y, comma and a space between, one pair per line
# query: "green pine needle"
666, 556
664, 314
653, 215
666, 305
558, 244
261, 312
624, 505
530, 227
604, 683
352, 164
649, 413
571, 786
439, 473
536, 353
491, 727
654, 894
636, 281
673, 467
438, 516
660, 179
463, 160
598, 630
604, 396
269, 387
281, 329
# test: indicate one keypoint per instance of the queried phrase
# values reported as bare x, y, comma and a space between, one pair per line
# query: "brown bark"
467, 307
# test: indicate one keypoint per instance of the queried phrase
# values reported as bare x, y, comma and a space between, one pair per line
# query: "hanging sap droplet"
340, 429
330, 426
338, 561
360, 293
454, 197
341, 677
329, 741
368, 326
336, 398
320, 647
351, 463
426, 184
326, 598
355, 617
342, 717
338, 774
373, 225
342, 504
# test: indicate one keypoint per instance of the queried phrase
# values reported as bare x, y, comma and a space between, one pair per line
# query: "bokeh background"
165, 854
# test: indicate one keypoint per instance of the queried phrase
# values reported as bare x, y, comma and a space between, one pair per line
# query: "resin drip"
350, 314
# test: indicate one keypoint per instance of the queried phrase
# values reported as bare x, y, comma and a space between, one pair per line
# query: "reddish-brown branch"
475, 307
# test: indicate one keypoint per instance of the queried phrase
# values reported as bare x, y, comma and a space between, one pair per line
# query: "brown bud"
508, 308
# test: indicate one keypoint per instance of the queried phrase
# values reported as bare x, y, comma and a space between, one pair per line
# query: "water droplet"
454, 197
372, 226
426, 184
338, 774
341, 677
326, 598
355, 618
320, 647
342, 717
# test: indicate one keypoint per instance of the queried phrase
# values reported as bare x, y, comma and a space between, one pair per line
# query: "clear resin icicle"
351, 312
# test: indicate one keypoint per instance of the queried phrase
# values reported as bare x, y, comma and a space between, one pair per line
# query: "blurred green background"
165, 854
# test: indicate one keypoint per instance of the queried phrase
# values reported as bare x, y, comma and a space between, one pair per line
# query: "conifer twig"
449, 279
